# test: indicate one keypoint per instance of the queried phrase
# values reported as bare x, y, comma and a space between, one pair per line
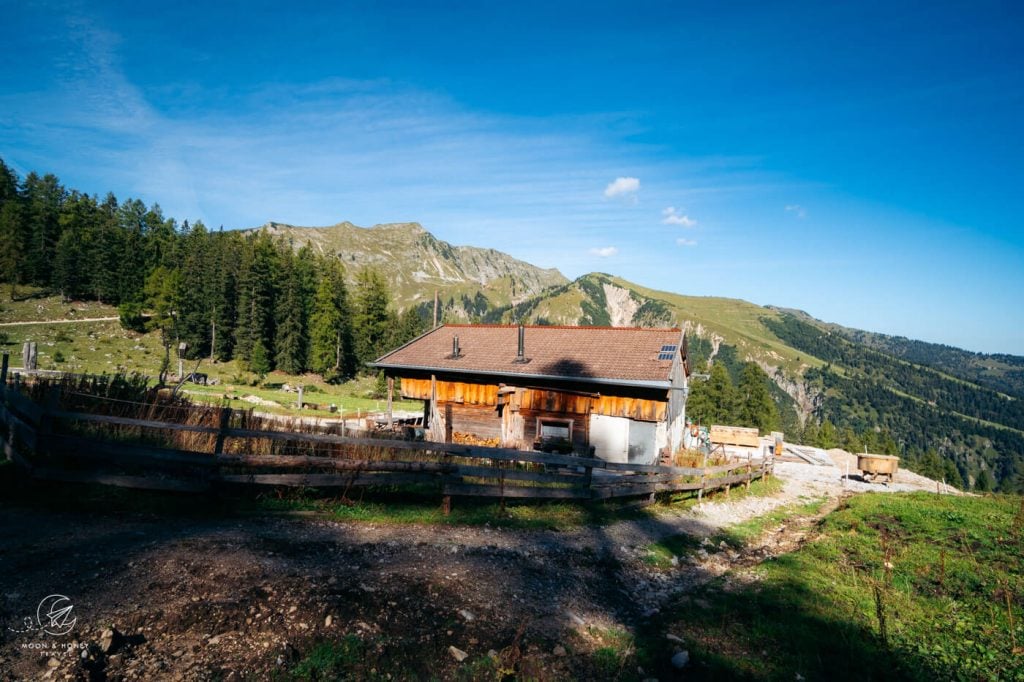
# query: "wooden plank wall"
540, 400
580, 428
480, 420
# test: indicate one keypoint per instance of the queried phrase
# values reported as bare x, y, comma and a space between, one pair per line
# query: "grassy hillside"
894, 587
919, 398
104, 347
601, 299
999, 371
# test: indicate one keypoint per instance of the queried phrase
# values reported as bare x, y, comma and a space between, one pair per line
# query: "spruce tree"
290, 339
329, 327
983, 481
44, 197
756, 406
713, 401
258, 280
372, 319
828, 436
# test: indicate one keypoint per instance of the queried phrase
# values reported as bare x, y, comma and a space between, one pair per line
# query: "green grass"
738, 321
908, 586
421, 506
424, 508
762, 487
338, 660
107, 348
660, 554
742, 533
32, 304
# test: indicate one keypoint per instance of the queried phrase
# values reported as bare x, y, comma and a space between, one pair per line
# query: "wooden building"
618, 393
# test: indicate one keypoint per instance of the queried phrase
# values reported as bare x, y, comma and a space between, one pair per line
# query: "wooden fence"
53, 443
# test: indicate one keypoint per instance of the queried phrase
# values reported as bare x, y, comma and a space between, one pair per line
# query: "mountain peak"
469, 280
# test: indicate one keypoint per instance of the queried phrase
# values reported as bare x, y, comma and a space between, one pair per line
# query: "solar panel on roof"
665, 356
669, 348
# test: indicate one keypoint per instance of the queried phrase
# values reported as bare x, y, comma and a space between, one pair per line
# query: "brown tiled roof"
592, 354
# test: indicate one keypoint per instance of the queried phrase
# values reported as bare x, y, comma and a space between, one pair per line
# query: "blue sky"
861, 161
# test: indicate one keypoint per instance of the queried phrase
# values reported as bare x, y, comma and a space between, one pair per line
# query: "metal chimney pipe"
522, 343
455, 346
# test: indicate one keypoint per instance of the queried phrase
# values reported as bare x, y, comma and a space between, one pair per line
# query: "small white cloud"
604, 252
800, 211
622, 187
674, 217
686, 242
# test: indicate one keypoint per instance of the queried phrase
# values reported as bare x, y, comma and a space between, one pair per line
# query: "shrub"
132, 317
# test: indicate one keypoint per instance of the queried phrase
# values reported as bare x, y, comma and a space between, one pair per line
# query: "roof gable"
591, 354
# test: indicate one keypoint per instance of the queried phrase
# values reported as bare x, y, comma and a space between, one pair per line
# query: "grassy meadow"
104, 347
894, 586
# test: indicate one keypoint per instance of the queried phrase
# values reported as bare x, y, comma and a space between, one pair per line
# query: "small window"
555, 429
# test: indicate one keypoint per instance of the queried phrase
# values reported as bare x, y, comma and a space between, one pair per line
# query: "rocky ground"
250, 597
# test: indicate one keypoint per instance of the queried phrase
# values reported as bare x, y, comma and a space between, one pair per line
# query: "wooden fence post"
225, 420
748, 472
50, 405
391, 400
3, 373
703, 477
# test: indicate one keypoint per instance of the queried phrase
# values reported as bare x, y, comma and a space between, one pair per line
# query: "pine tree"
828, 437
330, 331
372, 319
130, 260
713, 401
258, 280
409, 325
197, 287
291, 341
103, 254
756, 406
983, 482
849, 441
810, 432
224, 293
44, 197
259, 362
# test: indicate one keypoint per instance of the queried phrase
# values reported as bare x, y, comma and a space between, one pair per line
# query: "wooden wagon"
874, 467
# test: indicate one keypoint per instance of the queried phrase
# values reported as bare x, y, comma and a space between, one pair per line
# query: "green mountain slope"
601, 299
925, 404
946, 411
470, 281
999, 371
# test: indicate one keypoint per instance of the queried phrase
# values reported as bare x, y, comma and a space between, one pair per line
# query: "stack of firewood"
470, 439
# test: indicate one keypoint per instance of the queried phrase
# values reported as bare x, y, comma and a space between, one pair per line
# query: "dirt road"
68, 321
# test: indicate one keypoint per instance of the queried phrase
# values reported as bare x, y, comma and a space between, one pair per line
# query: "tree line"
224, 295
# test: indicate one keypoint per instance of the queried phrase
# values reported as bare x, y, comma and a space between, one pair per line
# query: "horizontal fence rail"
52, 443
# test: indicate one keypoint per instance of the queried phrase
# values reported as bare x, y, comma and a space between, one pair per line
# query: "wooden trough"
875, 466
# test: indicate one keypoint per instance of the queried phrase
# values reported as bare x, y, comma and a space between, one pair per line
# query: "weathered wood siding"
540, 400
580, 426
480, 420
451, 392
